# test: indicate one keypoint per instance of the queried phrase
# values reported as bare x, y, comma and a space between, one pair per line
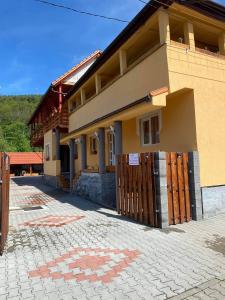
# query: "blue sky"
38, 43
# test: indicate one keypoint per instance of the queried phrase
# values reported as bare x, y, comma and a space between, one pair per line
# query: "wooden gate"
136, 189
179, 207
4, 198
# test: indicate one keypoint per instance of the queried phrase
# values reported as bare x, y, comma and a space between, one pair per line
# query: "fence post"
194, 186
160, 166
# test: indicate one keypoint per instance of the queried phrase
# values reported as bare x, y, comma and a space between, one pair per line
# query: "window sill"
149, 145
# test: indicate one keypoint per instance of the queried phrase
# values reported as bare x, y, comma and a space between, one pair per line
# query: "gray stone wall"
213, 200
99, 188
51, 180
161, 188
206, 201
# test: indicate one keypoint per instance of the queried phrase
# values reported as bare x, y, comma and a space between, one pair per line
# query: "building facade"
50, 122
159, 86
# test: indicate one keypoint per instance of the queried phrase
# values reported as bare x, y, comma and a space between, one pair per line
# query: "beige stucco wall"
193, 119
205, 74
49, 138
178, 132
78, 161
92, 159
52, 166
150, 74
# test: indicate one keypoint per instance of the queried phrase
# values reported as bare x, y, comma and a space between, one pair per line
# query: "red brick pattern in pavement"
52, 221
35, 199
87, 264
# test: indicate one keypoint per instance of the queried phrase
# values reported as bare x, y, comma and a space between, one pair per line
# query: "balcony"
57, 120
54, 120
148, 72
37, 136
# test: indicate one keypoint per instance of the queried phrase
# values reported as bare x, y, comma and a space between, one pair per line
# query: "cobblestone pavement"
69, 248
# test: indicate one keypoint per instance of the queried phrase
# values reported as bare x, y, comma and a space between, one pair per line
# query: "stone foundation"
51, 180
99, 188
213, 199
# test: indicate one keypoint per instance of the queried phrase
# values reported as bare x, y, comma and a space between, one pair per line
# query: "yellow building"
159, 86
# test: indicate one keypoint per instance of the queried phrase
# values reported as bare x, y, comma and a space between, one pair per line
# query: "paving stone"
87, 242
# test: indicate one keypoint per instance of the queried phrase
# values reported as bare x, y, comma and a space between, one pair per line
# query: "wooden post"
31, 170
101, 152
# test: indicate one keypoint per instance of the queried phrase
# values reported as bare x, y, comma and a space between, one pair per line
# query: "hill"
15, 111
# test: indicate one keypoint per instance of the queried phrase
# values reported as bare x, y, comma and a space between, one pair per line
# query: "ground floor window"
150, 129
111, 149
93, 145
47, 152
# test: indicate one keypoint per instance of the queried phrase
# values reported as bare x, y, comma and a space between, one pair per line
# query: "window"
47, 152
150, 128
93, 145
111, 149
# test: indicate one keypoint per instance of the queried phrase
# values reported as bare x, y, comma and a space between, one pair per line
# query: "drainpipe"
60, 98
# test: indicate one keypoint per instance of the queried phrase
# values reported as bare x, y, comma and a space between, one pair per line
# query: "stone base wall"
99, 188
51, 180
213, 199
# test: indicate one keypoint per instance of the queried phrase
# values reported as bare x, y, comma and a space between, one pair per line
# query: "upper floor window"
150, 129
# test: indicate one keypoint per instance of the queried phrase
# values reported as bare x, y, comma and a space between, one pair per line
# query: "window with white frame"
150, 129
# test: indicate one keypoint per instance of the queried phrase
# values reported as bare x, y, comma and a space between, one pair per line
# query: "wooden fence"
4, 198
136, 189
179, 208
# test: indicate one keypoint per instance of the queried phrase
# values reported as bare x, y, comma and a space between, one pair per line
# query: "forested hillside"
15, 111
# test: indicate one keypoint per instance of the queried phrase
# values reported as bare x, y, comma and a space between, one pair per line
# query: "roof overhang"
206, 7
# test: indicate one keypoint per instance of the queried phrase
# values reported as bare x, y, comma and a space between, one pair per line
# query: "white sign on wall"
133, 159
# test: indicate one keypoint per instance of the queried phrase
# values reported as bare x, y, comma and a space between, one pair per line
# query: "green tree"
15, 112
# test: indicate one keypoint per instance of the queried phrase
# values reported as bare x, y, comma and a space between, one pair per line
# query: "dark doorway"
65, 158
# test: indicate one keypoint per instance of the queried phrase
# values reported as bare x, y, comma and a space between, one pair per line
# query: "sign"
134, 159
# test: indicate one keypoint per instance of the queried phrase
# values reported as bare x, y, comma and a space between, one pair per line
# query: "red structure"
52, 112
22, 163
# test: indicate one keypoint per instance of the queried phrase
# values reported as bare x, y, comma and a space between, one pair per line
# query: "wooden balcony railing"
37, 136
57, 119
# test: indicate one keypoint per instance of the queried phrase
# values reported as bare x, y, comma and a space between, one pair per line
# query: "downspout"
60, 98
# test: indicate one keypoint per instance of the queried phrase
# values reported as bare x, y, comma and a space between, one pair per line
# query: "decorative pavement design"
92, 264
186, 261
52, 221
35, 199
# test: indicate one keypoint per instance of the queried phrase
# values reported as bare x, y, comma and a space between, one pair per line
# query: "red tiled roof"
157, 92
25, 158
95, 54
